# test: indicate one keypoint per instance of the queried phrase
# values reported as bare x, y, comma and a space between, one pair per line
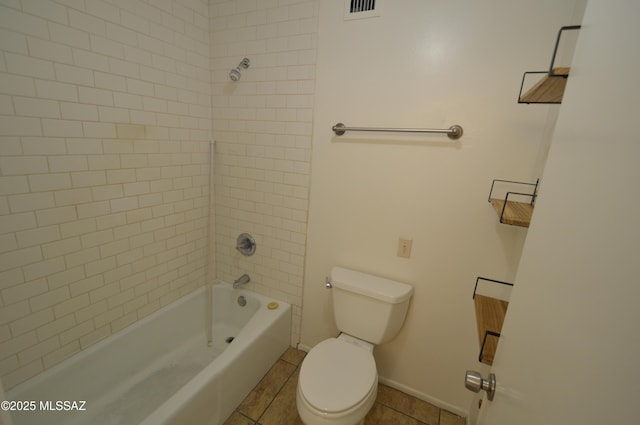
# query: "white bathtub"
160, 371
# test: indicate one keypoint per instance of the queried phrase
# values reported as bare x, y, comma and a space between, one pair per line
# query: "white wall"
424, 64
105, 123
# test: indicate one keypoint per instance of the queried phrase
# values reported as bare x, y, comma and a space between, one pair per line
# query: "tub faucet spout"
242, 280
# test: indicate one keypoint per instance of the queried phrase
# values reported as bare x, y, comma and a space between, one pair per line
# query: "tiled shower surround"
262, 128
107, 111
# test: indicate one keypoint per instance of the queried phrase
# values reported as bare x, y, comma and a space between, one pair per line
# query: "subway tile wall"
105, 129
262, 127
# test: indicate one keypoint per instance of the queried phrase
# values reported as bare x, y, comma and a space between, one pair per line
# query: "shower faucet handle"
246, 244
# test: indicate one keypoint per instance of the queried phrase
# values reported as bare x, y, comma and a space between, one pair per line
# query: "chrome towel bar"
454, 132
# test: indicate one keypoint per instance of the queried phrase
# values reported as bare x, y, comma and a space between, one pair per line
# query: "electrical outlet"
404, 247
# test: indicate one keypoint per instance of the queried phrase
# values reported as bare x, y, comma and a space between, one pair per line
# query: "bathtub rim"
166, 412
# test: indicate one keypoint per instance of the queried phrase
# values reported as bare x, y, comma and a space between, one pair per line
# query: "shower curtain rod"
454, 132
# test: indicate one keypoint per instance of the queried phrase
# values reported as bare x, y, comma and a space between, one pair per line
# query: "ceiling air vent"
358, 9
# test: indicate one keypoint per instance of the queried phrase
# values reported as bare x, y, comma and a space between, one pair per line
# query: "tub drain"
229, 339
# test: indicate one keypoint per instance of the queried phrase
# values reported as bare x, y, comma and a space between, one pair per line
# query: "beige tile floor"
273, 402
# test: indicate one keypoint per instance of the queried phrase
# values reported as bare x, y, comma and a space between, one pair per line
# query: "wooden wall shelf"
490, 314
550, 89
510, 211
514, 213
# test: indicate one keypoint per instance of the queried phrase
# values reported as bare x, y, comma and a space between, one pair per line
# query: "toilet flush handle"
327, 283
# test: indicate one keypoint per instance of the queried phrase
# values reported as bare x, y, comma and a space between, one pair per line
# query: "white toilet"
338, 377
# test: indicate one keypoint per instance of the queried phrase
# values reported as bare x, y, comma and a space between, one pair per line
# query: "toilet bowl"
338, 382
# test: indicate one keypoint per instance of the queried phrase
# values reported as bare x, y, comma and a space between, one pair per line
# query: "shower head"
234, 74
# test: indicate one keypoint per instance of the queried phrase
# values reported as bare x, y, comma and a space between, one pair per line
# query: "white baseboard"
303, 347
424, 397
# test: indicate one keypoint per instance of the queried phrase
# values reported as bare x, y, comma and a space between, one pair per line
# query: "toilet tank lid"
377, 287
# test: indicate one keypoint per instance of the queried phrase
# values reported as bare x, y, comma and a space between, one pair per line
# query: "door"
570, 346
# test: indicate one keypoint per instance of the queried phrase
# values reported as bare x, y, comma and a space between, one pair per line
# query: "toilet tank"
369, 307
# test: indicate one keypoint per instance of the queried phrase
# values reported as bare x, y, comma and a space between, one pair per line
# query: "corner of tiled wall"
105, 129
262, 127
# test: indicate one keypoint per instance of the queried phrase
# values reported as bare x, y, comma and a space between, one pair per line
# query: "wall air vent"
362, 5
358, 9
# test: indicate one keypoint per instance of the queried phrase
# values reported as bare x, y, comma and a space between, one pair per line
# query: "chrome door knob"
474, 382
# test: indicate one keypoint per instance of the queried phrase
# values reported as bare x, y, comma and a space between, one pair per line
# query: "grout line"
409, 396
243, 415
257, 422
408, 415
292, 364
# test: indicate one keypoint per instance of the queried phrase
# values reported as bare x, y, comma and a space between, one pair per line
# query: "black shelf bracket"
555, 49
484, 342
488, 280
550, 72
533, 195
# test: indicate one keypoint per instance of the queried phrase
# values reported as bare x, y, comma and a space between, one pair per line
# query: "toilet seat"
337, 376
